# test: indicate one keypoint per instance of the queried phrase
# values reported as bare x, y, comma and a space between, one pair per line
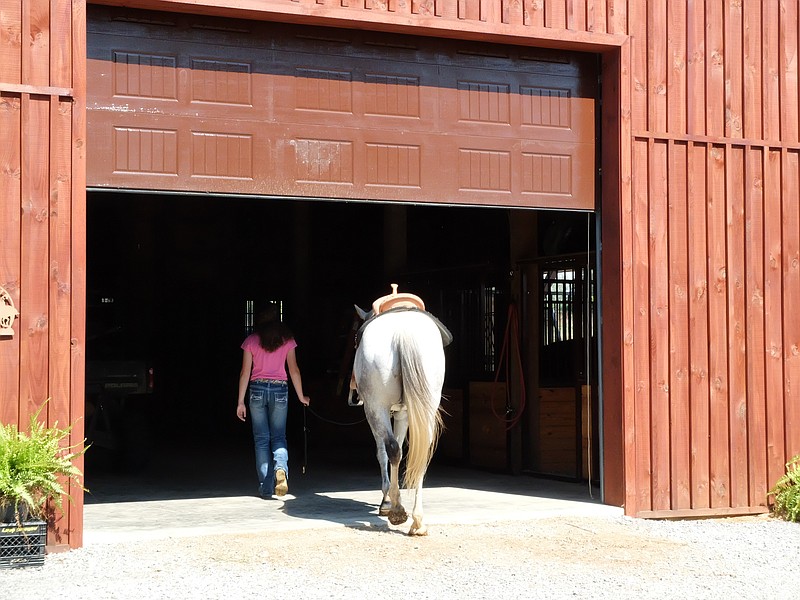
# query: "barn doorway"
236, 161
170, 280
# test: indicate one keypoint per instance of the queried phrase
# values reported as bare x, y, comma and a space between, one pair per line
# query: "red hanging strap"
511, 334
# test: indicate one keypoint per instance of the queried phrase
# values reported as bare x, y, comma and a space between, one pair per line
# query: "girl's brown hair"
272, 334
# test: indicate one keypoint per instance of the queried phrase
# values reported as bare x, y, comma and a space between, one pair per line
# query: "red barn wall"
711, 225
42, 221
700, 213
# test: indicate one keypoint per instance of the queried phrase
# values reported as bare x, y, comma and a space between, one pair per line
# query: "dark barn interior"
172, 280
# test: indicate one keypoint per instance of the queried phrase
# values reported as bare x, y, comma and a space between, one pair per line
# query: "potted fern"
35, 469
787, 492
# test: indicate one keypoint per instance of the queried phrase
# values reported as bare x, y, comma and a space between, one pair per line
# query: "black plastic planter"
22, 545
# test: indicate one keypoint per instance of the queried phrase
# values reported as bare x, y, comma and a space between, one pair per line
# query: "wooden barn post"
42, 221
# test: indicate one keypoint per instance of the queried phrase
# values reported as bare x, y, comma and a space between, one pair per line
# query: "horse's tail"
422, 404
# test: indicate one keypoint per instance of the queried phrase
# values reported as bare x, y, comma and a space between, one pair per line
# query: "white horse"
399, 372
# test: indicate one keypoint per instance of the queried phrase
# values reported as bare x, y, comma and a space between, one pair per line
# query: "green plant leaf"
787, 492
35, 465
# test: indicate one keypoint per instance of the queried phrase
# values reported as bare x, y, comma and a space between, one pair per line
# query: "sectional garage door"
192, 104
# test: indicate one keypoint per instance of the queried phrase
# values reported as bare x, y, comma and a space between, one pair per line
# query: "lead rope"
511, 333
306, 410
305, 439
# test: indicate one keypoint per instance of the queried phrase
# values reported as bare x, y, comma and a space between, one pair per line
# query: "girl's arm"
297, 380
244, 379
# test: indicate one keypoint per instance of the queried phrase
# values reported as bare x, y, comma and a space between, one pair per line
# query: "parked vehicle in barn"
119, 390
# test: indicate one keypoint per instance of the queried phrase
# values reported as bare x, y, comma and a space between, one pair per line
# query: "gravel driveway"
491, 536
554, 557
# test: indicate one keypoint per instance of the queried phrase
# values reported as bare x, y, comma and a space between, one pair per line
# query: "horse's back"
391, 338
383, 331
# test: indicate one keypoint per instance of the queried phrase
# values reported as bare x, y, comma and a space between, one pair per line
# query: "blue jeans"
269, 406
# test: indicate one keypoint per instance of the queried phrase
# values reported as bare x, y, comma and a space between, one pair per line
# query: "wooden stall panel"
281, 110
488, 438
557, 433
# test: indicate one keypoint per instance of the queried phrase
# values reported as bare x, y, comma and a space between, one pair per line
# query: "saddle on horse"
398, 302
395, 302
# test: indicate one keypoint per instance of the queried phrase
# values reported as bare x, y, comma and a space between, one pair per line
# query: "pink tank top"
267, 365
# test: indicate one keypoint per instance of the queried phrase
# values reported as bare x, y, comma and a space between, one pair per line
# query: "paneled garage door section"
185, 103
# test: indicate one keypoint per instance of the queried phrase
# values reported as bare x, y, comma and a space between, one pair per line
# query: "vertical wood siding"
715, 228
40, 220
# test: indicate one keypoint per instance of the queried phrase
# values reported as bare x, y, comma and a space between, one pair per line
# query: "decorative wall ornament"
7, 313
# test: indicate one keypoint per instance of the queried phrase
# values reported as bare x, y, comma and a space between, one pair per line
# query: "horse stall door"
555, 438
556, 433
488, 438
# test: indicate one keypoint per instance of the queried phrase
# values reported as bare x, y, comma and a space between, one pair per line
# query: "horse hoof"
398, 517
384, 509
418, 527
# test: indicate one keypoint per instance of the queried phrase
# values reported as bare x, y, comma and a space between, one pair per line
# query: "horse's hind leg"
383, 463
396, 513
417, 526
388, 454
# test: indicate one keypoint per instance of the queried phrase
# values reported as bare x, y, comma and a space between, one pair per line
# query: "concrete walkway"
150, 507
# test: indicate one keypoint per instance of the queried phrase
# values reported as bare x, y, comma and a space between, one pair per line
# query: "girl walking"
266, 354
